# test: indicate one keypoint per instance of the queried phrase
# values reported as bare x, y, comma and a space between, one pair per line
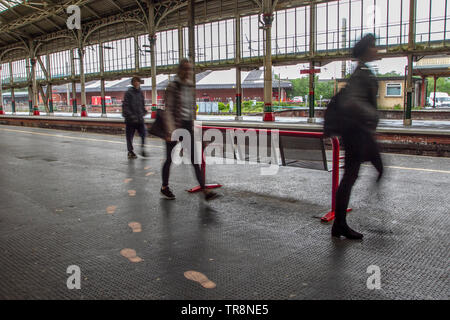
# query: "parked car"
297, 99
442, 102
442, 99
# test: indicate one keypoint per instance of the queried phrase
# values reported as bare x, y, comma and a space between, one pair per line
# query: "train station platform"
74, 199
424, 137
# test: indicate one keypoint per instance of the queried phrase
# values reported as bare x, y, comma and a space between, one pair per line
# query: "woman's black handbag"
333, 117
158, 127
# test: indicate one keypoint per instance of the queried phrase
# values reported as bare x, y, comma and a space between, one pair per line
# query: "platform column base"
407, 122
269, 116
207, 186
312, 120
83, 111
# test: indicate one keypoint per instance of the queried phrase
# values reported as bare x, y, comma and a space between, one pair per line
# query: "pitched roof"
224, 79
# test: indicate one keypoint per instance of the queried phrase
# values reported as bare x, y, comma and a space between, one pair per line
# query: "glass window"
393, 89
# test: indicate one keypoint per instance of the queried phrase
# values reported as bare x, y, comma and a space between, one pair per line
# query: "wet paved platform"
67, 198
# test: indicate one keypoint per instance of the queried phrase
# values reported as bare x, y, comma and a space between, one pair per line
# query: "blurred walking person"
356, 120
133, 110
179, 114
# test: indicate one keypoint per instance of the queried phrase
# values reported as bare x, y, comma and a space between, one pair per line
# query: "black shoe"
380, 175
346, 231
210, 195
132, 155
167, 193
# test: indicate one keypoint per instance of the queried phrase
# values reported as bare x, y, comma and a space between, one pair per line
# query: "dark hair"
182, 63
137, 79
360, 48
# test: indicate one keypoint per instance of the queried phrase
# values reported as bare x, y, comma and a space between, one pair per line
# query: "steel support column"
180, 43
102, 79
74, 85
409, 92
136, 54
1, 91
191, 31
422, 92
49, 86
238, 69
407, 121
34, 89
30, 100
82, 76
152, 40
13, 97
268, 19
434, 94
312, 49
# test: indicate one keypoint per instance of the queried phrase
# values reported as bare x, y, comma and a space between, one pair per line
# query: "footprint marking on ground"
200, 278
127, 180
135, 226
130, 254
131, 193
111, 209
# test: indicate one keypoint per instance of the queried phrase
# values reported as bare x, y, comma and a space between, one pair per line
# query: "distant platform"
424, 137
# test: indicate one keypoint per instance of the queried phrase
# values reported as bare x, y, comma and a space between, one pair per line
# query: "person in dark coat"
359, 115
179, 114
133, 110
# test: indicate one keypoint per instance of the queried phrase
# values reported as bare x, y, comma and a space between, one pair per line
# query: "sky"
333, 69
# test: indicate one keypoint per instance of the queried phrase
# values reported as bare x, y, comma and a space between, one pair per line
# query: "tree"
389, 74
442, 85
300, 87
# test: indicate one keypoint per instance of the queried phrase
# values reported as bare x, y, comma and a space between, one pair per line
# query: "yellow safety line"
418, 169
414, 169
69, 137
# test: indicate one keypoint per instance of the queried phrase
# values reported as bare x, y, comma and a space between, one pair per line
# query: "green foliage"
247, 106
397, 107
389, 74
223, 107
442, 85
300, 87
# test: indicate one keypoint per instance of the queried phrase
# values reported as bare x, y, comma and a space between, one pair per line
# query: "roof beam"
92, 11
115, 5
54, 10
51, 21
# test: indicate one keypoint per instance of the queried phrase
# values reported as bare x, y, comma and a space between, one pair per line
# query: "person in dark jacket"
179, 114
133, 110
358, 109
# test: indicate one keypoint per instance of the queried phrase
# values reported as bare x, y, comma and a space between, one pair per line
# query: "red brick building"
210, 86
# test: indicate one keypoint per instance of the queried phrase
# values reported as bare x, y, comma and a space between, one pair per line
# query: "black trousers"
360, 146
169, 147
130, 129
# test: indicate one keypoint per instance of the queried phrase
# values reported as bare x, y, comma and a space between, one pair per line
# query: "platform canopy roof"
432, 71
32, 19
